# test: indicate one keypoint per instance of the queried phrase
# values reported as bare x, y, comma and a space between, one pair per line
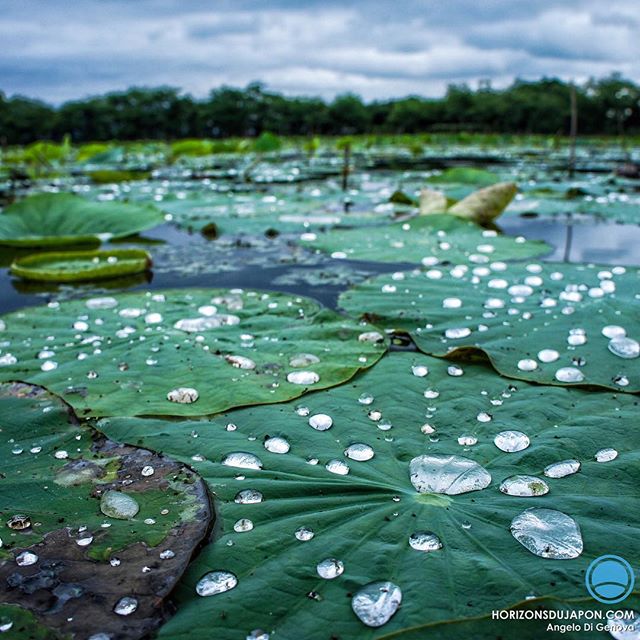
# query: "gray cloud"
378, 48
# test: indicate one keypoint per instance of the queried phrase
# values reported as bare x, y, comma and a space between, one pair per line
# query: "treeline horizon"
606, 106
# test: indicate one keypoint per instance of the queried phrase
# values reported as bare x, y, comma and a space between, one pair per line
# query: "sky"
58, 50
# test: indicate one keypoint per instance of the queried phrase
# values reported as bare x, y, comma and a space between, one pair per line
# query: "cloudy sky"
63, 49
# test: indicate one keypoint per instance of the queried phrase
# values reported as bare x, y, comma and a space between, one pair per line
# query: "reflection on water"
189, 260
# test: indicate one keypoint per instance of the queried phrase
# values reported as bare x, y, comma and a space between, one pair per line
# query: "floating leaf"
465, 175
55, 219
551, 323
71, 566
373, 525
72, 266
427, 239
183, 352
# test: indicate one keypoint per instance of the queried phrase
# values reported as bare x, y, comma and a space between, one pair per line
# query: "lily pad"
465, 175
183, 352
57, 219
63, 560
428, 239
551, 323
73, 266
297, 542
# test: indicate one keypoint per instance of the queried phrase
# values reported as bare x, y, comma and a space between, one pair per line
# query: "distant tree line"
610, 105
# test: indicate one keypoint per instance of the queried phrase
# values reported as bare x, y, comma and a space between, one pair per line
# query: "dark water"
584, 241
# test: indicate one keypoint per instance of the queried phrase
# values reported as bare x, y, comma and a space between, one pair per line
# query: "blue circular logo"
610, 579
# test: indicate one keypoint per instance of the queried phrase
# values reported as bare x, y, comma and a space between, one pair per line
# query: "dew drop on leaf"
562, 469
511, 441
216, 582
548, 533
242, 460
450, 475
330, 568
524, 486
376, 602
424, 541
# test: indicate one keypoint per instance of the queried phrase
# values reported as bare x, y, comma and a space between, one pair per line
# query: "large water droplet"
447, 474
183, 395
613, 331
248, 496
376, 602
330, 568
456, 333
304, 534
242, 460
242, 525
303, 360
562, 469
524, 486
240, 362
548, 533
121, 506
277, 445
527, 364
303, 377
101, 303
511, 441
338, 467
424, 541
320, 421
216, 582
195, 325
624, 347
419, 370
359, 451
606, 455
548, 355
569, 374
126, 606
26, 559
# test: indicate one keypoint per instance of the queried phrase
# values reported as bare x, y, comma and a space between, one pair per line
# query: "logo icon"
610, 579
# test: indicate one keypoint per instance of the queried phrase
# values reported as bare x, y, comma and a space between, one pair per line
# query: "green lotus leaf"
428, 239
73, 266
183, 352
66, 557
296, 542
551, 323
56, 219
465, 175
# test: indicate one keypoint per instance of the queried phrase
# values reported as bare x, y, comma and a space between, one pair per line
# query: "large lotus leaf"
551, 323
465, 175
406, 407
183, 352
50, 219
281, 210
86, 522
428, 239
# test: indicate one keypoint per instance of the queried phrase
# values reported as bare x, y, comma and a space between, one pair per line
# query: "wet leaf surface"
137, 353
63, 559
550, 323
301, 532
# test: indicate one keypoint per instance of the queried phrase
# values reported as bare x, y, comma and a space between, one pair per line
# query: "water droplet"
420, 370
84, 542
248, 496
562, 469
26, 559
548, 533
49, 365
606, 455
216, 582
451, 303
116, 504
376, 602
303, 377
242, 460
303, 360
5, 622
527, 364
320, 421
258, 634
483, 416
19, 522
338, 467
242, 525
359, 451
548, 355
627, 629
524, 486
467, 440
455, 371
196, 325
569, 374
425, 541
277, 445
371, 336
183, 395
302, 411
451, 475
240, 362
613, 331
511, 441
455, 333
330, 568
125, 606
8, 360
167, 554
624, 347
365, 398
304, 534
